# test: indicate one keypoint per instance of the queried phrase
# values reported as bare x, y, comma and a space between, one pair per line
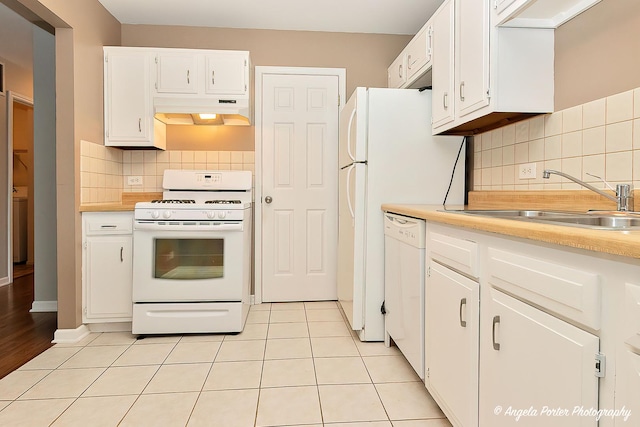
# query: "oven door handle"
153, 225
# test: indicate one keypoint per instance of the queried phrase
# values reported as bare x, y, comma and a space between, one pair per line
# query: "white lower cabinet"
520, 333
451, 343
628, 359
107, 266
530, 359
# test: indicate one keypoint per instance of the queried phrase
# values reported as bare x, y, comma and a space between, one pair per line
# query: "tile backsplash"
104, 170
600, 138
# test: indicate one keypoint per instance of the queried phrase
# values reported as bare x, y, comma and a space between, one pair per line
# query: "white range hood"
185, 110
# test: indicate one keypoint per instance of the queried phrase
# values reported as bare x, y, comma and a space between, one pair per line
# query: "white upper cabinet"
128, 112
397, 72
442, 111
177, 73
227, 73
411, 68
418, 52
500, 75
537, 13
472, 55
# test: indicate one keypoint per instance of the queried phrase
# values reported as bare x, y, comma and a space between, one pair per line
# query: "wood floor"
23, 335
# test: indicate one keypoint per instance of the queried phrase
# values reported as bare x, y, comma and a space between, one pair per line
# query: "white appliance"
404, 260
387, 155
192, 254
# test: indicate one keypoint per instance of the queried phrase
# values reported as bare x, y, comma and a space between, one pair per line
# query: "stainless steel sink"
514, 213
593, 220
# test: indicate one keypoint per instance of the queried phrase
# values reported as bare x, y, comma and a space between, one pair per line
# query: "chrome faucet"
623, 197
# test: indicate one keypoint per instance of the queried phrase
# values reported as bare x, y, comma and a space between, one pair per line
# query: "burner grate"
179, 201
223, 202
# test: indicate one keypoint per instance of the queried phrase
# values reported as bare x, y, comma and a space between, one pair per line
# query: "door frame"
260, 72
12, 98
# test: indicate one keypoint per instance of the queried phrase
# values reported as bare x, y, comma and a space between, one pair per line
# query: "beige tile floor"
295, 364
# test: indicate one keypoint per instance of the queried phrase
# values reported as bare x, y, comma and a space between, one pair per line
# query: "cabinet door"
531, 359
628, 360
397, 72
442, 69
472, 54
451, 343
227, 73
177, 73
418, 52
128, 111
108, 278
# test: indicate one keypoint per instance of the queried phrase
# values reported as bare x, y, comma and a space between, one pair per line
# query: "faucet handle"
624, 196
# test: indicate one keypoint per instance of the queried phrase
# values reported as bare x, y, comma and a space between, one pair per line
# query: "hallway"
23, 335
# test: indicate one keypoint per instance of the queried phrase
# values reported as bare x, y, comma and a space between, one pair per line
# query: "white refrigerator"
387, 155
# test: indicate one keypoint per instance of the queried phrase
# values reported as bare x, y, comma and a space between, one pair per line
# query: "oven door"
188, 261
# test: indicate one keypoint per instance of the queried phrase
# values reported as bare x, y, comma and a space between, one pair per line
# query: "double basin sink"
597, 220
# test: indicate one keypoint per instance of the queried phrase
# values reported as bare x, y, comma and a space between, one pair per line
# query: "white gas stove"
192, 254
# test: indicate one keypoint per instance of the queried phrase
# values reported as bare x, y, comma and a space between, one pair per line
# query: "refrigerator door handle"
351, 168
353, 115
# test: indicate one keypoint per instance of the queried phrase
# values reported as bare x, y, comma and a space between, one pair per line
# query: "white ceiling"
352, 16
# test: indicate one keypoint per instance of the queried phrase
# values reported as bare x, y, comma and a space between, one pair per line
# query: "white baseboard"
70, 336
44, 307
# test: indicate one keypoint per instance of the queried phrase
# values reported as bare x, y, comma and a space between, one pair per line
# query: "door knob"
268, 199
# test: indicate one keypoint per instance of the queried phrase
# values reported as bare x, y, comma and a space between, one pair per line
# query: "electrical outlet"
527, 171
134, 180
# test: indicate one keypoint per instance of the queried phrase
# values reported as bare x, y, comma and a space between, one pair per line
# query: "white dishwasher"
404, 260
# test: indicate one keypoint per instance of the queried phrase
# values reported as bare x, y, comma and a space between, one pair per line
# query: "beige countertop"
128, 202
624, 243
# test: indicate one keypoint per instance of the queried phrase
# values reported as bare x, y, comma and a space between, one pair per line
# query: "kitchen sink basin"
514, 213
593, 220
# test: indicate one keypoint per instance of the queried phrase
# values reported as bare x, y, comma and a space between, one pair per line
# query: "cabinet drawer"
107, 223
563, 290
459, 254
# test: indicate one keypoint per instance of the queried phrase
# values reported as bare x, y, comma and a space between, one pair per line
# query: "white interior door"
299, 194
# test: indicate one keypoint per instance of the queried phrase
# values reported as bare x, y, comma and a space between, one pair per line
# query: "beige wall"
597, 54
82, 28
364, 56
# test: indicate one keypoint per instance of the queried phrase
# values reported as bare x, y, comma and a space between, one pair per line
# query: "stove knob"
222, 214
166, 214
211, 214
155, 214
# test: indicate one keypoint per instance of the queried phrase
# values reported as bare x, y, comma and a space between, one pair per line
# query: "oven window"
189, 259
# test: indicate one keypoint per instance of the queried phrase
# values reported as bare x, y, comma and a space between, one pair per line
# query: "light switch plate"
527, 171
134, 180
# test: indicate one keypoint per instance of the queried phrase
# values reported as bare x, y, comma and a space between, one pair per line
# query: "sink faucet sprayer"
623, 197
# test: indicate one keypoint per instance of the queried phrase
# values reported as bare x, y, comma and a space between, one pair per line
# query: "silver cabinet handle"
188, 79
121, 257
409, 63
496, 321
463, 303
445, 100
400, 71
108, 226
462, 91
268, 199
213, 77
139, 125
